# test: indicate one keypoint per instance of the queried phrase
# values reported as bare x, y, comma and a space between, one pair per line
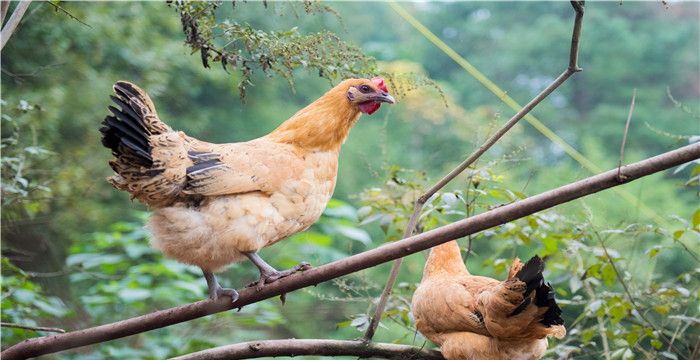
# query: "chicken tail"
531, 275
130, 132
126, 131
524, 304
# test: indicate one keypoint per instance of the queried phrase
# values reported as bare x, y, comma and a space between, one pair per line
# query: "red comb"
380, 83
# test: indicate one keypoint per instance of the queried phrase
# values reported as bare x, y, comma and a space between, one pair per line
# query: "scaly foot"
215, 290
269, 276
218, 291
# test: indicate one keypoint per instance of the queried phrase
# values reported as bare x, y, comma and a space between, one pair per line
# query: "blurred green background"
75, 253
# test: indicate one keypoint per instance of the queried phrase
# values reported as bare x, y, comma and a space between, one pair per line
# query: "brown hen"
479, 318
214, 204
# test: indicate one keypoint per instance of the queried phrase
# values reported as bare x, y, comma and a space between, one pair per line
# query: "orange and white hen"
479, 318
214, 204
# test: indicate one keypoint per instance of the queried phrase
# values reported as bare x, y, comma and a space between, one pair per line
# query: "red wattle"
369, 107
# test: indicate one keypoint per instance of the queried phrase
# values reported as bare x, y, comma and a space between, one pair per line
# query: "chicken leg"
215, 290
268, 274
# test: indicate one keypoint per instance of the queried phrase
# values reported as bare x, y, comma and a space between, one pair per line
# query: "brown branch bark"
571, 69
12, 23
295, 347
387, 252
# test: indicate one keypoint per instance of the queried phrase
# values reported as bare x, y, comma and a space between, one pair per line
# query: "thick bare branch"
498, 216
295, 347
418, 206
12, 23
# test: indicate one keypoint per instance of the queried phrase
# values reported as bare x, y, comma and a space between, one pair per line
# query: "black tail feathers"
544, 297
125, 131
531, 275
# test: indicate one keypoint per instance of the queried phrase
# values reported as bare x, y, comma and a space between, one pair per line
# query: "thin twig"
322, 347
354, 263
12, 23
624, 136
28, 327
571, 69
58, 7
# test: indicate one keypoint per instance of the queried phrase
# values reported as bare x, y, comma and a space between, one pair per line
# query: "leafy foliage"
603, 297
24, 185
24, 302
277, 51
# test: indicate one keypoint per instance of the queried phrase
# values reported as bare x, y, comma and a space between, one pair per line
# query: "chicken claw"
268, 274
215, 290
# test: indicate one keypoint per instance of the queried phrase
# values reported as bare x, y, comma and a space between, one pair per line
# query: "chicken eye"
365, 89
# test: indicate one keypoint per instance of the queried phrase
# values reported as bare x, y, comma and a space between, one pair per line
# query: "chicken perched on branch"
480, 318
214, 204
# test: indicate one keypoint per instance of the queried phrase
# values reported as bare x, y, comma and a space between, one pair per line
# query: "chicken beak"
385, 97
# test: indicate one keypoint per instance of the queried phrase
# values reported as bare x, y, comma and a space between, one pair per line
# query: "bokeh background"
75, 254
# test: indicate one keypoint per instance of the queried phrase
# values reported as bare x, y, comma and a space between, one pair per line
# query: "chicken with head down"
479, 318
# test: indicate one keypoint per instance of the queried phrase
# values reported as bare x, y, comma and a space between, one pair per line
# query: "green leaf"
608, 274
595, 305
669, 355
594, 271
361, 322
354, 234
53, 306
617, 313
550, 245
631, 337
343, 324
313, 237
340, 209
654, 251
696, 219
363, 212
575, 283
587, 335
662, 309
131, 295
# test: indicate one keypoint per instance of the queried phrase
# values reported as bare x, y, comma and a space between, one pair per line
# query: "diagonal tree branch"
296, 347
387, 252
14, 20
418, 206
